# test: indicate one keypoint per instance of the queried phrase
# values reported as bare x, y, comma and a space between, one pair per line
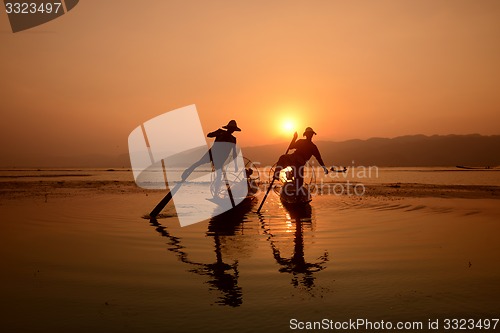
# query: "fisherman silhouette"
304, 150
224, 145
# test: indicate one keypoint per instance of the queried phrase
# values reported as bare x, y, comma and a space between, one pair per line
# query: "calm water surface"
368, 175
93, 264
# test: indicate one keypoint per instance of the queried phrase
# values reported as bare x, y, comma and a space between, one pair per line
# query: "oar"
228, 187
272, 181
166, 199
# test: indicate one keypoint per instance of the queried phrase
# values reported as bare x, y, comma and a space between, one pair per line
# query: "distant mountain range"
410, 150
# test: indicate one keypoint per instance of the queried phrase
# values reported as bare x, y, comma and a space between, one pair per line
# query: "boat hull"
290, 195
297, 203
476, 168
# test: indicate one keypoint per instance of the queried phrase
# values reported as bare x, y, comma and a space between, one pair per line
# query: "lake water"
368, 175
90, 262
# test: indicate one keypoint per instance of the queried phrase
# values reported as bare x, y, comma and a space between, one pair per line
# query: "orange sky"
350, 69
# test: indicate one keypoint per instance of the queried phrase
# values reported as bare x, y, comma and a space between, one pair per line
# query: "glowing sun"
288, 126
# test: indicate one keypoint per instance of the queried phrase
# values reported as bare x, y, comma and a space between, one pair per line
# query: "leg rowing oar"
272, 181
226, 182
166, 199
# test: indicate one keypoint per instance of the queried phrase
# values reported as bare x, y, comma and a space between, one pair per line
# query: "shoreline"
68, 188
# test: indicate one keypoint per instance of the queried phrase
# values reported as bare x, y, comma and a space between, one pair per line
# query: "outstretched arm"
320, 160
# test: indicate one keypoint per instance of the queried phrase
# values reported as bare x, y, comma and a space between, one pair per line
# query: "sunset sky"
349, 69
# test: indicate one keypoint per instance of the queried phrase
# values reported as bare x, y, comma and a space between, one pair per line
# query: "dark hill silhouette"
411, 150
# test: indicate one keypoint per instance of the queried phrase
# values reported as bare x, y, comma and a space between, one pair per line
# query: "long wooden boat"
296, 202
289, 194
477, 168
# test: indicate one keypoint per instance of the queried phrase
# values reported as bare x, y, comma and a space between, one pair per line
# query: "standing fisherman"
224, 145
304, 150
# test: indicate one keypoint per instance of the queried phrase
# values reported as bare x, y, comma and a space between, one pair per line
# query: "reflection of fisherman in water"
224, 145
222, 276
301, 270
